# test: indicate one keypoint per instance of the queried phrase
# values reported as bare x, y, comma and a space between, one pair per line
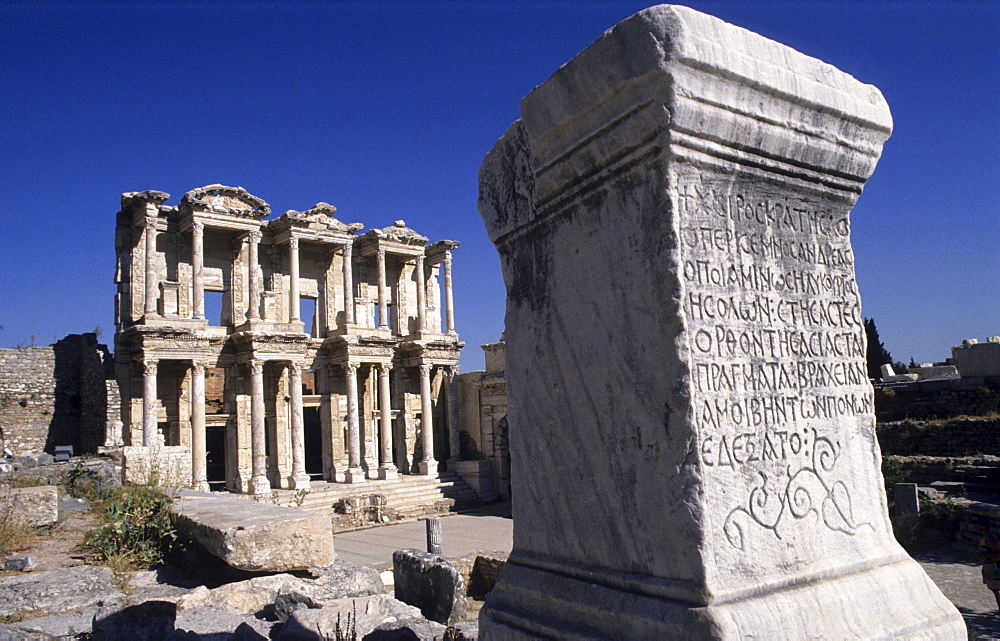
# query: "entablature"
398, 240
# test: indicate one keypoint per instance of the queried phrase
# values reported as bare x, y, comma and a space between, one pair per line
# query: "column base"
355, 475
428, 468
259, 486
387, 473
891, 601
201, 486
299, 481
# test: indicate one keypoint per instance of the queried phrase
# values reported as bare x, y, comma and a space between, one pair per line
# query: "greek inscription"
770, 212
720, 340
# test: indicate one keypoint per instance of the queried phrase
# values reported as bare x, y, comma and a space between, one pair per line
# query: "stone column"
348, 285
253, 276
386, 468
454, 438
152, 277
421, 295
299, 479
294, 304
383, 307
259, 485
198, 269
707, 174
428, 464
354, 473
150, 428
199, 448
448, 297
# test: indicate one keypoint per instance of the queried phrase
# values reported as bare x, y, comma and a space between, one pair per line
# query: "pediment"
234, 201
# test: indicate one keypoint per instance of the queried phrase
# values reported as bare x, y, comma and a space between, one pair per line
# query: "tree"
877, 355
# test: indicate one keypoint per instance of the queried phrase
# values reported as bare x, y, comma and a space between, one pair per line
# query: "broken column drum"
691, 423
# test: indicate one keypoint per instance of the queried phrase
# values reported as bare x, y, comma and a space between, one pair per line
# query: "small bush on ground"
137, 528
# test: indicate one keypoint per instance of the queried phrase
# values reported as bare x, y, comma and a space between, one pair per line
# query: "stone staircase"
979, 479
408, 496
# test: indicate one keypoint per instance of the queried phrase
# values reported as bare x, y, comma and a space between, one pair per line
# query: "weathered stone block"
33, 506
683, 325
164, 466
20, 564
59, 590
255, 536
429, 582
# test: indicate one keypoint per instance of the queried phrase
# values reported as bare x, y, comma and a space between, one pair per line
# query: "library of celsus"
263, 352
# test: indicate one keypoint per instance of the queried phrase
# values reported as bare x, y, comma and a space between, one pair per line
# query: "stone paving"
960, 580
487, 529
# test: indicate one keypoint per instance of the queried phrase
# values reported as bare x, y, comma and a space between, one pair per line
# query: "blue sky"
385, 110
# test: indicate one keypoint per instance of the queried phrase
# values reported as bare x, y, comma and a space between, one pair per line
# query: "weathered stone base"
163, 466
895, 600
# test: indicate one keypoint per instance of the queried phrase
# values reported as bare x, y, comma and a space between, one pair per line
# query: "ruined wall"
56, 395
959, 437
27, 397
938, 399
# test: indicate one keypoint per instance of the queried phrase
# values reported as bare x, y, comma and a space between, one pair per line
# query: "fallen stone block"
58, 591
149, 620
342, 580
34, 506
25, 563
360, 615
430, 583
65, 625
199, 624
258, 537
407, 630
28, 460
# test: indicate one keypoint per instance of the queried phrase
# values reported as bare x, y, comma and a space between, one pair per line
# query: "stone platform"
257, 537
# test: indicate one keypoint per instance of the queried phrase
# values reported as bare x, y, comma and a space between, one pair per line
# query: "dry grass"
15, 535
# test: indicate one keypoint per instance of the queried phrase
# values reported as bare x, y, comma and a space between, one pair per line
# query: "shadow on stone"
149, 620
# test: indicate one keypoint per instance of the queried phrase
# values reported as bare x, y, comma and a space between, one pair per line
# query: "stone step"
963, 487
408, 495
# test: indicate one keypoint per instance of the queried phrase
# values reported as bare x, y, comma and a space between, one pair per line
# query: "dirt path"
62, 545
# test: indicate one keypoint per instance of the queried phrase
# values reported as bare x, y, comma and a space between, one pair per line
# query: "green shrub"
892, 473
942, 515
137, 528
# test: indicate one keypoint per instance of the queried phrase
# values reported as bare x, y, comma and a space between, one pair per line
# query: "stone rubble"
82, 599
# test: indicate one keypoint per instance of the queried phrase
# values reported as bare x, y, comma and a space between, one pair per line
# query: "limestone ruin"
692, 426
224, 374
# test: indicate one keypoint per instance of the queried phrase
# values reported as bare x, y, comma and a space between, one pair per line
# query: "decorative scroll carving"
149, 367
810, 490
